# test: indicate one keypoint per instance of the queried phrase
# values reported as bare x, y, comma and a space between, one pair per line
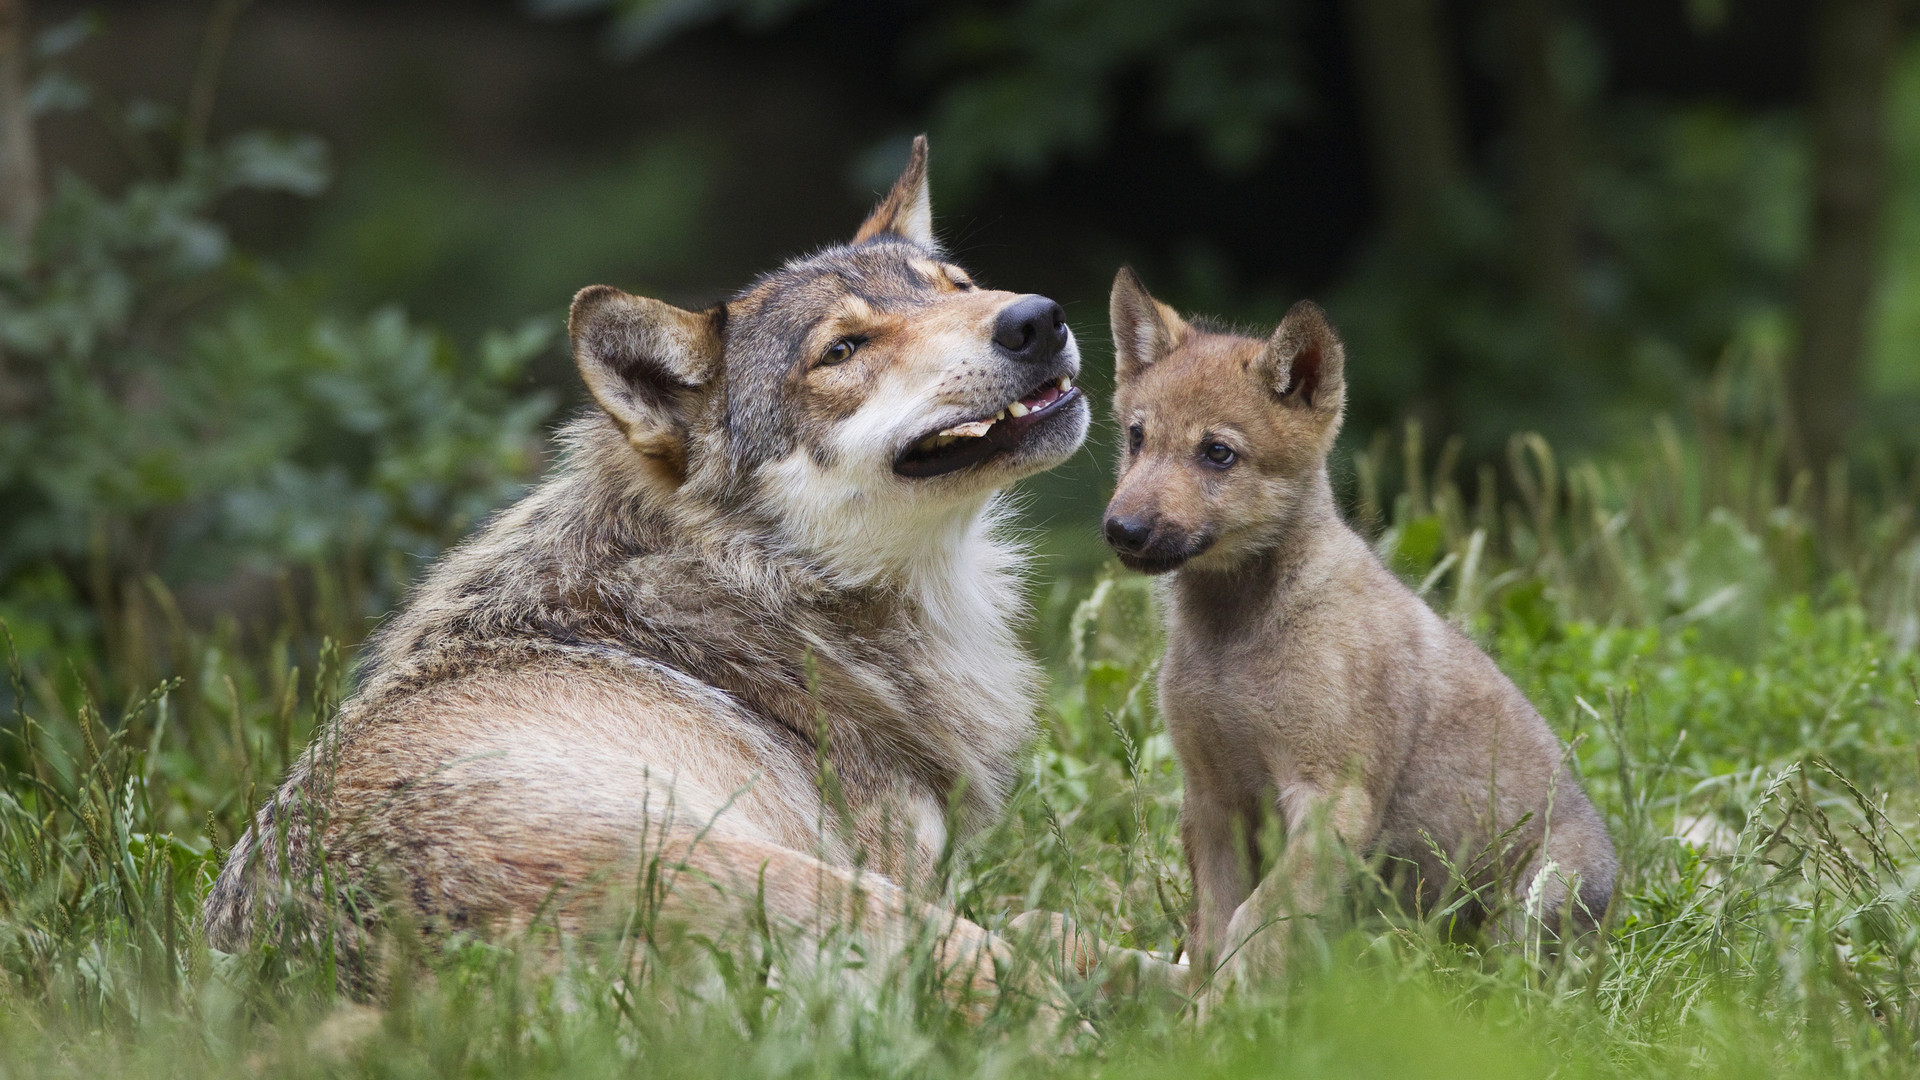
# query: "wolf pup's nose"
1032, 328
1128, 534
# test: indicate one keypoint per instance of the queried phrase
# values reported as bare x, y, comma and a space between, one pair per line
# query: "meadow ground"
1733, 665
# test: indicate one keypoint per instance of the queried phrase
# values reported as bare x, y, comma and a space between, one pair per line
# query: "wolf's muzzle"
1032, 329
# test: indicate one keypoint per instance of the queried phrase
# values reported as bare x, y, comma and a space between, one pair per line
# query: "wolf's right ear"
647, 364
1144, 329
907, 211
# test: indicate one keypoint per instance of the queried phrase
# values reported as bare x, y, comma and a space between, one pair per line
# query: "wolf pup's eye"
1220, 454
1135, 436
840, 351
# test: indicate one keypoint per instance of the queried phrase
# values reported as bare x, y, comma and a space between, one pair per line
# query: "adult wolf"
761, 619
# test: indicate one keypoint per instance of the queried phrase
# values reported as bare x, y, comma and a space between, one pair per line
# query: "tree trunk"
1543, 132
206, 75
19, 171
1853, 47
1407, 92
19, 158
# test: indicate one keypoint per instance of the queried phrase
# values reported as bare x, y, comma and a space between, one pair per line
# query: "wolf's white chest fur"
957, 570
967, 596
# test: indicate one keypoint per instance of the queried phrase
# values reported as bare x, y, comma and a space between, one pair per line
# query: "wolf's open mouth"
975, 441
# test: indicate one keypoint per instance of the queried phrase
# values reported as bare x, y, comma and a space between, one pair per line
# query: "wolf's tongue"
1036, 401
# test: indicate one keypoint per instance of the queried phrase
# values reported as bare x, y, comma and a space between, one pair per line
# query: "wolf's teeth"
1016, 409
1001, 415
972, 429
1066, 383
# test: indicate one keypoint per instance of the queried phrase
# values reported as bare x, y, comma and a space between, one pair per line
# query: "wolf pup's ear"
1144, 329
907, 211
1304, 363
647, 364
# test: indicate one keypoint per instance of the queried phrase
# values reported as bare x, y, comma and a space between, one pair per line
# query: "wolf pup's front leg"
1218, 838
1302, 679
1322, 833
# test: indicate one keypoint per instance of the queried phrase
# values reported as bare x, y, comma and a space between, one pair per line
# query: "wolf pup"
760, 626
1301, 677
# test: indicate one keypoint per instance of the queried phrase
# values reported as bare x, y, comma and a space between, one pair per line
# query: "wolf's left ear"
1304, 363
648, 364
1144, 329
907, 211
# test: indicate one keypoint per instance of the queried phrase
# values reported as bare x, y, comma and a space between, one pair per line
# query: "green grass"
1733, 660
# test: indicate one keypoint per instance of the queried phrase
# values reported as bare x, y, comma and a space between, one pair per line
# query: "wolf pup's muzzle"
1150, 545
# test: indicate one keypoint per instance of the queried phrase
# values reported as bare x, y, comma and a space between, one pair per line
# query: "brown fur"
725, 638
1302, 678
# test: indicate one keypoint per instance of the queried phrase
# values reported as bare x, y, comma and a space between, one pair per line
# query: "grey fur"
663, 642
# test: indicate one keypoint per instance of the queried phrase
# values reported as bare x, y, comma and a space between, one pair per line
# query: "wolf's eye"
1135, 436
840, 351
1220, 454
960, 281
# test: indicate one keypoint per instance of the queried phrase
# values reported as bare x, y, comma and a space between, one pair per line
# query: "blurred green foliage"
468, 252
1022, 86
1697, 215
174, 407
1018, 86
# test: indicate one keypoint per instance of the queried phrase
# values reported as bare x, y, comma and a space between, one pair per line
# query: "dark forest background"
283, 282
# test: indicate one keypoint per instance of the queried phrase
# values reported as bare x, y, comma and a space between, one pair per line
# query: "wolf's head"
860, 397
1225, 436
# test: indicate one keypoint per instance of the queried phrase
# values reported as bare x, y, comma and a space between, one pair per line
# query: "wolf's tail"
278, 886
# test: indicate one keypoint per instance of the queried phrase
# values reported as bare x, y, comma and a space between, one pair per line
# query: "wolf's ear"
647, 364
1304, 363
907, 211
1144, 329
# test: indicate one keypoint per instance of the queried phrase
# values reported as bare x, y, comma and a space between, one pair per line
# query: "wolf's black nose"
1031, 328
1128, 534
